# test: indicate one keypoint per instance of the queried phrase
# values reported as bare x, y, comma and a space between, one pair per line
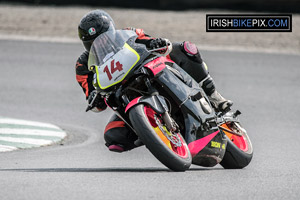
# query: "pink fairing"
132, 103
196, 146
158, 64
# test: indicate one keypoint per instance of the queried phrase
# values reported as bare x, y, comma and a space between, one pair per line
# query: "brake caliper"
173, 138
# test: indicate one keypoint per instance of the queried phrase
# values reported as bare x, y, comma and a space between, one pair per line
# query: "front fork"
156, 102
169, 122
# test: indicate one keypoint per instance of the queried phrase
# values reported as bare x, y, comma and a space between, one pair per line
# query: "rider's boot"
216, 99
219, 102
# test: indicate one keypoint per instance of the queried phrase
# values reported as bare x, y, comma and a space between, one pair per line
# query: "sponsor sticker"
215, 144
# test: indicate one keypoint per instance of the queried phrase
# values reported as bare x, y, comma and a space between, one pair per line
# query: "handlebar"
167, 48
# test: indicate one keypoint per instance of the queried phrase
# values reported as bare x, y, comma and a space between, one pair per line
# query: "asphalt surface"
38, 83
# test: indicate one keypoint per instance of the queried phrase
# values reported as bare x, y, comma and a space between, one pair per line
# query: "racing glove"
164, 44
96, 102
158, 43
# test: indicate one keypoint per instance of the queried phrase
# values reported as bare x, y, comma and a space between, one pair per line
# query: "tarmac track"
38, 83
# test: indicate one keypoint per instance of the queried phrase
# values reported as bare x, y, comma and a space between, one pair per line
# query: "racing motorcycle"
173, 118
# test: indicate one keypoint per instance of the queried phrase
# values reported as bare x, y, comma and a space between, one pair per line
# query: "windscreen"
112, 58
107, 45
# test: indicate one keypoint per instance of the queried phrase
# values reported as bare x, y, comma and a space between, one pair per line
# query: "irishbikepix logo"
249, 23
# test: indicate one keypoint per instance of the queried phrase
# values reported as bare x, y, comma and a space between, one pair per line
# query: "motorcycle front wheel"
169, 148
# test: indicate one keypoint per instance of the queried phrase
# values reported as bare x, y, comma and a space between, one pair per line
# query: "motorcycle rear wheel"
176, 158
239, 150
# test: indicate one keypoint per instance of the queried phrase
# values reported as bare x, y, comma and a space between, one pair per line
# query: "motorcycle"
171, 116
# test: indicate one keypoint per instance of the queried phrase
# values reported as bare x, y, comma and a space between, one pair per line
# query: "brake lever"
90, 105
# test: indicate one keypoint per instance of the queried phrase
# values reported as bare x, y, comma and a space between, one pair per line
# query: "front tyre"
169, 148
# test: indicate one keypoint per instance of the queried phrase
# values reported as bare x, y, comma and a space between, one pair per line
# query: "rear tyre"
148, 126
239, 150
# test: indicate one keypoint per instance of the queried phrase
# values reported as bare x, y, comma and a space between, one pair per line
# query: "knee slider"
208, 85
191, 50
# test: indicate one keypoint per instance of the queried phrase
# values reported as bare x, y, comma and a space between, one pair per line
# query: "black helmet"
92, 25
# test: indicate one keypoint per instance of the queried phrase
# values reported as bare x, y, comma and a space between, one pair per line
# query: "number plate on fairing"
115, 69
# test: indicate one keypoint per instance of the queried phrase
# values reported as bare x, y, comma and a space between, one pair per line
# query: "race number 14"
113, 69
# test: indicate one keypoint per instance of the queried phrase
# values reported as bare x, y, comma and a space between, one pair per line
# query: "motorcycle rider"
117, 135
